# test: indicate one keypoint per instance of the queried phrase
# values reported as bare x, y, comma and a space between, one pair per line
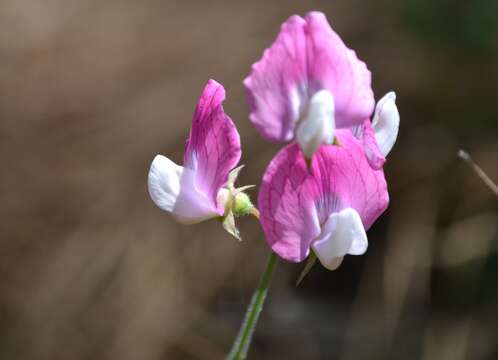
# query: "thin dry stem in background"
480, 172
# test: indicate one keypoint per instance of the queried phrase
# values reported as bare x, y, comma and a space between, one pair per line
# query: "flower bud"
242, 204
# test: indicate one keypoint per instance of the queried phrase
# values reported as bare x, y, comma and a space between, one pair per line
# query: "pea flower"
328, 206
307, 84
379, 135
203, 187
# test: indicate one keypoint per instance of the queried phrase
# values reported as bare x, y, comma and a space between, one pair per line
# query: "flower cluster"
326, 187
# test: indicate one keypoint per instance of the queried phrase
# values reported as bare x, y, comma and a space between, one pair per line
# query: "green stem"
242, 343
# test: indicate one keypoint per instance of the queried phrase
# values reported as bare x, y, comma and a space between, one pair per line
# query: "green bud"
242, 204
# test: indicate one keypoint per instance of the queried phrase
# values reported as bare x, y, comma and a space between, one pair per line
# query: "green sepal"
244, 188
228, 222
308, 163
307, 268
233, 175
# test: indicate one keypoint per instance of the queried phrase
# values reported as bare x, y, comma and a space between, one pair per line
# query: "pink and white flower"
201, 188
385, 123
307, 84
379, 135
311, 89
327, 206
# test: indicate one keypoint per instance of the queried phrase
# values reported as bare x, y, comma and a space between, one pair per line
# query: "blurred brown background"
91, 90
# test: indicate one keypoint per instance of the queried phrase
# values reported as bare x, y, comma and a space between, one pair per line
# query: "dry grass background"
91, 90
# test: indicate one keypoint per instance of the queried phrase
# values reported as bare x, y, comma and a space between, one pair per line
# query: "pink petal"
335, 67
307, 56
344, 179
287, 218
295, 203
213, 146
277, 86
375, 157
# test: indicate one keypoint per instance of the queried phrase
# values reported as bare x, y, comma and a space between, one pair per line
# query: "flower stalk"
242, 343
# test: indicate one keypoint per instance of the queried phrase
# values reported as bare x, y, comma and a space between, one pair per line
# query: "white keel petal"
172, 188
164, 182
318, 125
386, 122
343, 233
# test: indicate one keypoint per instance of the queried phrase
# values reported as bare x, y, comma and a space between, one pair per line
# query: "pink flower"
201, 188
379, 136
307, 84
310, 88
327, 206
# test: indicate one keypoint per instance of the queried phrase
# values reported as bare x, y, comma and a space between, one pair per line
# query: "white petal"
343, 233
386, 122
192, 206
334, 263
318, 125
172, 188
164, 182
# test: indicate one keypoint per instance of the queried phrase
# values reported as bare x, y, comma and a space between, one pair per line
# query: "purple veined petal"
335, 67
213, 145
296, 203
172, 188
345, 179
287, 213
375, 157
306, 57
343, 233
365, 133
276, 88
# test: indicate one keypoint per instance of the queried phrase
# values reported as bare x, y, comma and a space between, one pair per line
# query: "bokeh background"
91, 90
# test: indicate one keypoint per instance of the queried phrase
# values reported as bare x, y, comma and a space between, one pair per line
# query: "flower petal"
172, 188
288, 216
295, 202
345, 179
375, 157
277, 85
335, 67
192, 205
307, 56
342, 234
318, 125
164, 182
386, 122
213, 146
